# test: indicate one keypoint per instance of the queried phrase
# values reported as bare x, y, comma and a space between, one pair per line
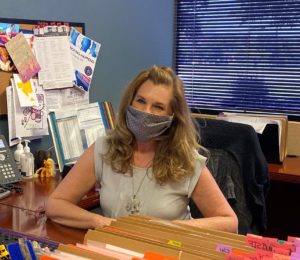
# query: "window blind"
239, 55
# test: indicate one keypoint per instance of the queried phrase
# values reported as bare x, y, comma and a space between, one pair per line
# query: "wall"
134, 35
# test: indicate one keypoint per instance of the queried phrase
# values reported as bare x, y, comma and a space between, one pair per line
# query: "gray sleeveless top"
169, 201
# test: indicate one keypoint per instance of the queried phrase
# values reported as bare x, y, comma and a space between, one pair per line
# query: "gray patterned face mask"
146, 126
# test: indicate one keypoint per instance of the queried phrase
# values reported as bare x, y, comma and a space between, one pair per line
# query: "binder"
274, 151
273, 139
270, 145
74, 129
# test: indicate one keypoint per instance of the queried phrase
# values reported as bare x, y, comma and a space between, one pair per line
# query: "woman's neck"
143, 154
145, 147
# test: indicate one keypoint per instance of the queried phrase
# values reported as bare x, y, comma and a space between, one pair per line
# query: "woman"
149, 164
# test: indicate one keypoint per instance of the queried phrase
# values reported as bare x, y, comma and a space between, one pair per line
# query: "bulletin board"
24, 25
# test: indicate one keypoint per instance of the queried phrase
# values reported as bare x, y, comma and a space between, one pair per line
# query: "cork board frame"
24, 25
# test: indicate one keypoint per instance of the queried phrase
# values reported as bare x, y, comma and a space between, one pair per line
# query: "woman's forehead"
148, 88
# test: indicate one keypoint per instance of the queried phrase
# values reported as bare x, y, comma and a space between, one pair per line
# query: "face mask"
146, 126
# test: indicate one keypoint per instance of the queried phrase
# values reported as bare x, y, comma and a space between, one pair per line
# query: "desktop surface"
24, 213
283, 214
35, 192
288, 171
35, 226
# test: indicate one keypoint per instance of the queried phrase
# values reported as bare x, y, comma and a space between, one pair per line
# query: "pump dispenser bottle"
18, 152
27, 161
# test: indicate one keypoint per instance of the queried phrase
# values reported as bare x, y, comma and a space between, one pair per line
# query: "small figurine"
44, 164
4, 255
47, 170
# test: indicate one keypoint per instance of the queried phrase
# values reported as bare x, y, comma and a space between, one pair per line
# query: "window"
240, 55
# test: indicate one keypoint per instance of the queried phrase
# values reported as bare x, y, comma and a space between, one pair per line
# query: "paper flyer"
84, 55
11, 114
25, 92
23, 57
7, 31
31, 121
59, 98
54, 55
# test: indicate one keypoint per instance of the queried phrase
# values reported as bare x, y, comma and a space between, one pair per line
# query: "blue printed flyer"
84, 55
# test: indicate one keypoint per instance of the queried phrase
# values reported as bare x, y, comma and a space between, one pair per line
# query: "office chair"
240, 169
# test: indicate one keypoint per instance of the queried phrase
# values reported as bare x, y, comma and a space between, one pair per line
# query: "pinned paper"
84, 55
23, 57
53, 54
26, 92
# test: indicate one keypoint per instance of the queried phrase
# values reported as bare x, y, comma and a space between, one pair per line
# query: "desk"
283, 212
25, 212
288, 171
35, 224
36, 192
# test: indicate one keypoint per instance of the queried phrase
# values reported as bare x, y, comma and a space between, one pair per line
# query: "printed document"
54, 56
84, 55
59, 98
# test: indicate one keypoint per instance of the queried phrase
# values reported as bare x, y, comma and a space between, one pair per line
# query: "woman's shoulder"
100, 143
200, 162
100, 139
199, 157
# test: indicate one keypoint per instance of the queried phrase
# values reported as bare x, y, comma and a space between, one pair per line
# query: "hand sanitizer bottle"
18, 152
27, 161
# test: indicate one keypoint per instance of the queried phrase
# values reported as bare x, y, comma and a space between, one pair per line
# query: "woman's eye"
142, 101
159, 107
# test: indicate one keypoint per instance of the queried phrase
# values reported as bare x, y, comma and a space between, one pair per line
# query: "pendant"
134, 205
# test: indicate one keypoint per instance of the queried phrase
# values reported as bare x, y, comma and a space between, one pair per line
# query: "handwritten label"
223, 248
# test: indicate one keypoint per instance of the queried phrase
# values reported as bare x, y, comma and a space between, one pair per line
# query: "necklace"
134, 204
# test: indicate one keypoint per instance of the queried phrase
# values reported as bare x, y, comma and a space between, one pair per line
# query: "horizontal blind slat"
240, 55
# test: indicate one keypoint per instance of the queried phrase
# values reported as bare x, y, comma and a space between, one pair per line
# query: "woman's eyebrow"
160, 104
139, 96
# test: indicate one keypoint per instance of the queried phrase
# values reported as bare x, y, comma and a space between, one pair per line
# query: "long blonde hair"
175, 152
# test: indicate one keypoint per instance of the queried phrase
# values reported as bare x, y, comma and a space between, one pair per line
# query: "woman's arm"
213, 205
62, 203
